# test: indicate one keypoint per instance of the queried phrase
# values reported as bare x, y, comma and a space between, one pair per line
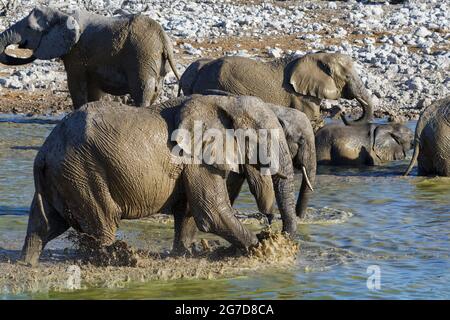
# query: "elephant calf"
115, 55
432, 140
299, 83
367, 144
102, 164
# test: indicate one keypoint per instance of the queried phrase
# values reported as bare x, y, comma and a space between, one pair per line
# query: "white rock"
422, 32
332, 5
275, 52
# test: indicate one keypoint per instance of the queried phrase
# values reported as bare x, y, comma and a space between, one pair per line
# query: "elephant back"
244, 76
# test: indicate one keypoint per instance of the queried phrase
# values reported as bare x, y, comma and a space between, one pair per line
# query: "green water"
401, 225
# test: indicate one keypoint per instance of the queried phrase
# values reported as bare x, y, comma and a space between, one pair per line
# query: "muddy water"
362, 218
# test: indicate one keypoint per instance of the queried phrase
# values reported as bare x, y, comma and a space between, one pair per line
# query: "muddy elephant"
114, 55
299, 136
102, 164
299, 83
368, 144
432, 140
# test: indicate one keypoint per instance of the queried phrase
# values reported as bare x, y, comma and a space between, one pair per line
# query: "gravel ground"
402, 50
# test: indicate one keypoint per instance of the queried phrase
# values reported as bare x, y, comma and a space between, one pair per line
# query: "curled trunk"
8, 37
356, 89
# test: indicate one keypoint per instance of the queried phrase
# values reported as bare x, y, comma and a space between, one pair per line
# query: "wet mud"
89, 264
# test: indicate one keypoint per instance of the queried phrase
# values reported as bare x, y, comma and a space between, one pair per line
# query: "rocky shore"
402, 49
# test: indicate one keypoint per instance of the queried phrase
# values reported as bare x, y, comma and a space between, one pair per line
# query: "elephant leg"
185, 231
77, 84
142, 87
44, 224
210, 206
262, 189
234, 185
92, 209
94, 92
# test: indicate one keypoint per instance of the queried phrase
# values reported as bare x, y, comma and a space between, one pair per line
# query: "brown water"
375, 217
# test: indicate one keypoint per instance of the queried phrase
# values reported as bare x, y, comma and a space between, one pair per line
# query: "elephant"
106, 161
299, 136
432, 140
114, 55
299, 83
370, 144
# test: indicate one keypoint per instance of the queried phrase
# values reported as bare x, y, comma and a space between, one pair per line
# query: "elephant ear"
201, 124
385, 142
245, 115
312, 75
59, 36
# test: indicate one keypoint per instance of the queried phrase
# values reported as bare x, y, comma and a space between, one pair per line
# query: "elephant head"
250, 115
330, 76
391, 141
49, 33
300, 138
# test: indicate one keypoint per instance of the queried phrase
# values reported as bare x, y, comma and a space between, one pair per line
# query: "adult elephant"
368, 144
299, 136
432, 140
299, 83
103, 164
115, 55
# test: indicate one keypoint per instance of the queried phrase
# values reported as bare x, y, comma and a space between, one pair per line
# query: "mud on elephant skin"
432, 140
115, 55
300, 139
299, 136
365, 144
102, 164
299, 83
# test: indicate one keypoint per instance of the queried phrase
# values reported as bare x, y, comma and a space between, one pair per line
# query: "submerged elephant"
300, 139
299, 83
102, 164
115, 55
368, 144
432, 140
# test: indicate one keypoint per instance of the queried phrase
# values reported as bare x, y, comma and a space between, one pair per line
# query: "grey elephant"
432, 140
368, 144
115, 55
300, 139
102, 164
299, 83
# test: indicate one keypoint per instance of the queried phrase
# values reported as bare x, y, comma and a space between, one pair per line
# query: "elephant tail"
414, 158
168, 52
38, 173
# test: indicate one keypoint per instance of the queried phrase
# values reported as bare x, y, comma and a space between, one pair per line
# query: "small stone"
274, 52
422, 32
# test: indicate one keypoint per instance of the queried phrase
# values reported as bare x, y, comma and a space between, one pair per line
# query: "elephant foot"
31, 250
181, 252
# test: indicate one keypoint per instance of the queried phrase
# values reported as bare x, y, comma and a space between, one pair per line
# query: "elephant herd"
106, 161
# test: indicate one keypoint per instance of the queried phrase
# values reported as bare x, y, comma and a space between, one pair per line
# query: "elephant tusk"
305, 175
363, 102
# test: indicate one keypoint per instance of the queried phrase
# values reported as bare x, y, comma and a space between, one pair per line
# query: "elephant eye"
301, 141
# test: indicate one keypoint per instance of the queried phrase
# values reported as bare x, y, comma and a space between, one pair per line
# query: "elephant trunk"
356, 90
8, 37
418, 132
308, 166
284, 194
